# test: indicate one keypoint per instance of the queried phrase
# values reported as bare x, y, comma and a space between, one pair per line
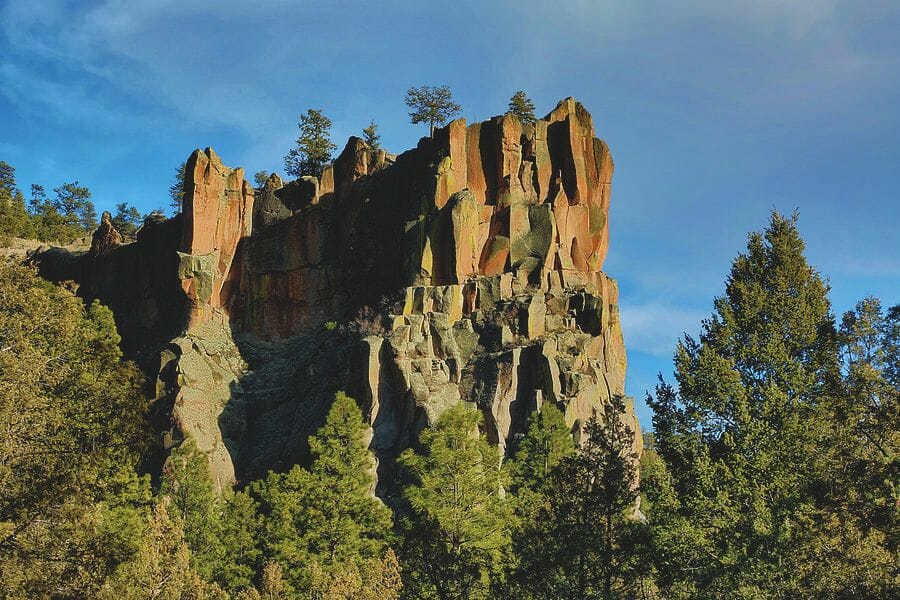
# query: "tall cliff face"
466, 269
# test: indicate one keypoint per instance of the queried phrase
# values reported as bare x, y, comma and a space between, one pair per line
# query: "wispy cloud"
655, 327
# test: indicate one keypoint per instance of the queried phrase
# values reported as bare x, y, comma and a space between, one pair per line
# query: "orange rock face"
499, 196
508, 167
217, 209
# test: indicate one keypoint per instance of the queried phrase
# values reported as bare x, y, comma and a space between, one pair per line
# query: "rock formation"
466, 269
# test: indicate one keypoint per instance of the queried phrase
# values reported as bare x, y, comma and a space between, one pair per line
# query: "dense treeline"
63, 217
772, 473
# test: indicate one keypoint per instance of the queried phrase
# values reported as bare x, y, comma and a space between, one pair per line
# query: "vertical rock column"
217, 208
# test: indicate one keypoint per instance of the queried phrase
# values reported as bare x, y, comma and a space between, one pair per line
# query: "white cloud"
655, 327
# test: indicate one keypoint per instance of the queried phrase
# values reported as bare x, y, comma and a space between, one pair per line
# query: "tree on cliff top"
176, 190
521, 106
314, 146
370, 135
431, 104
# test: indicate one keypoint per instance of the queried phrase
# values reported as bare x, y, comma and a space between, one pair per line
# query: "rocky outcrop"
106, 237
466, 269
217, 208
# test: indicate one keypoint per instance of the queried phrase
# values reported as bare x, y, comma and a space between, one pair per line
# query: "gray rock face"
251, 404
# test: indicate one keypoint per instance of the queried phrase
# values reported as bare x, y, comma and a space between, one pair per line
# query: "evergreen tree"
458, 536
672, 537
73, 203
72, 416
161, 568
314, 146
48, 222
522, 106
186, 480
260, 178
272, 583
740, 433
127, 219
372, 580
14, 218
432, 105
856, 501
239, 538
7, 178
582, 543
546, 442
371, 137
326, 518
176, 190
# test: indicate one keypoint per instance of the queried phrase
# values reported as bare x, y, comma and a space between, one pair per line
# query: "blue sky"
716, 112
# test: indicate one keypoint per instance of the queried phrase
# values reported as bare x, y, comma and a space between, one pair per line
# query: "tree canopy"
431, 104
314, 147
521, 106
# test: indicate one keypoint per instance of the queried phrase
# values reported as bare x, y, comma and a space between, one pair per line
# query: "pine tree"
14, 218
432, 105
186, 480
239, 533
327, 517
161, 568
176, 190
260, 178
740, 432
522, 106
73, 203
272, 582
127, 219
353, 522
72, 416
581, 538
371, 137
857, 497
459, 531
314, 147
546, 442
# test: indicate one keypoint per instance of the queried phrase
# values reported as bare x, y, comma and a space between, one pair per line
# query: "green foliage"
73, 203
314, 147
73, 422
161, 567
546, 442
127, 219
522, 106
187, 482
867, 413
371, 137
458, 536
749, 438
260, 178
372, 580
431, 104
69, 215
14, 218
239, 532
325, 519
176, 190
580, 543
